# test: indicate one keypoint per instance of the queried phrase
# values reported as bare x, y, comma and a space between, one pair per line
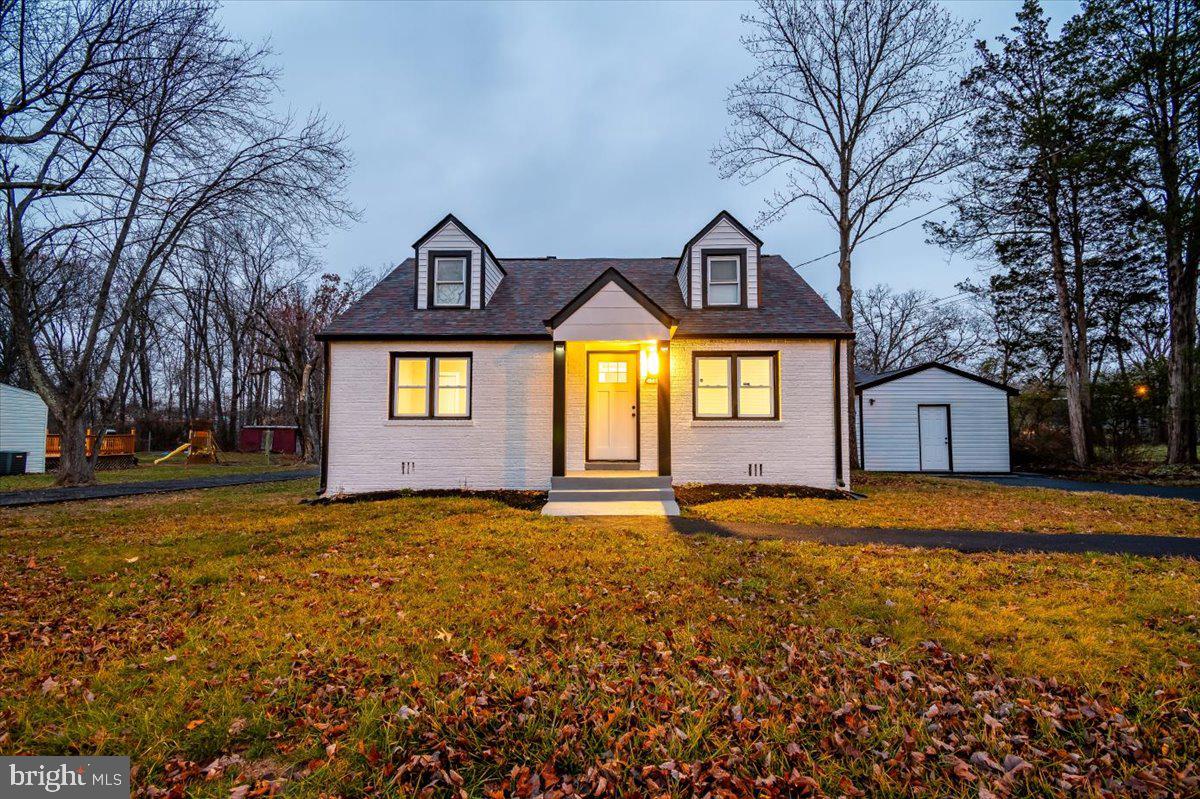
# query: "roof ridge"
591, 258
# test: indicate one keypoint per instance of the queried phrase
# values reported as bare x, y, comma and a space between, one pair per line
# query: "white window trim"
770, 386
395, 386
464, 282
435, 374
737, 279
728, 386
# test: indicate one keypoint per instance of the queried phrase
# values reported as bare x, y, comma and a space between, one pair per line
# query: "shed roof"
886, 377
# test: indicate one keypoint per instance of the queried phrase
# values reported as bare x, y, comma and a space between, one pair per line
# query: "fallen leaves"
701, 673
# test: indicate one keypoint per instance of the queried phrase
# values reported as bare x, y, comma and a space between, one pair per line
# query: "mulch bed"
696, 494
521, 500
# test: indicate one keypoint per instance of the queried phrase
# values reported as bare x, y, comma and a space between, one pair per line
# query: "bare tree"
898, 330
290, 324
855, 104
188, 140
239, 267
61, 68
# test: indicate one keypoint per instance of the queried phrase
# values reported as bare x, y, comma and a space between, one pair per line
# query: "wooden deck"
112, 445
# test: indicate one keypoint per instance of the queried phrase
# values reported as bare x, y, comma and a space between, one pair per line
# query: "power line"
877, 235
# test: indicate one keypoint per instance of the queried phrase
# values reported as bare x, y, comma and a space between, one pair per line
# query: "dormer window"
454, 268
724, 278
451, 279
718, 267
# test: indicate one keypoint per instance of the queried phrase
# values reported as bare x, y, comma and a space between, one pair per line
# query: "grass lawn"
913, 501
235, 640
174, 469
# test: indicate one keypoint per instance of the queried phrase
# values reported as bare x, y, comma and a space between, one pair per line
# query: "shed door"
934, 423
612, 406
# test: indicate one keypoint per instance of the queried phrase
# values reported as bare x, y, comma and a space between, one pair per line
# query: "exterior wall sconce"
649, 359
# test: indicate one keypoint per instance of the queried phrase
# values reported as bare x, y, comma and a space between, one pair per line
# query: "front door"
612, 408
934, 422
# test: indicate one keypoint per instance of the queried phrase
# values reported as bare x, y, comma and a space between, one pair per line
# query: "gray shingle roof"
536, 289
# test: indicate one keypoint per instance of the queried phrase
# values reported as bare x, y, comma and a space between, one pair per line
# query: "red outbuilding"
284, 438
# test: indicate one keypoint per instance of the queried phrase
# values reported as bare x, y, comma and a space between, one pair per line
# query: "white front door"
934, 423
612, 406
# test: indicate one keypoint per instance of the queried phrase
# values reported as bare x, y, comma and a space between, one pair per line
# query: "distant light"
1141, 391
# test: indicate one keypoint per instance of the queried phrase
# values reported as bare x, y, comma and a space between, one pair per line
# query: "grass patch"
919, 502
236, 637
175, 469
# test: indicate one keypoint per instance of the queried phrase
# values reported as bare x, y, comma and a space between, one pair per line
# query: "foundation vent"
755, 470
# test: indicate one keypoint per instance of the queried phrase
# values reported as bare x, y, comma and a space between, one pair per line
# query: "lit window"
754, 397
724, 280
414, 373
412, 383
450, 282
712, 388
453, 376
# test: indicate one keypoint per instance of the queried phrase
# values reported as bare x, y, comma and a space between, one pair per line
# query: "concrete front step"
608, 483
628, 508
613, 495
626, 494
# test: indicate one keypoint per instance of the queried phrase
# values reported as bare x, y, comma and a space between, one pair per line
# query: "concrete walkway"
48, 496
1027, 480
961, 540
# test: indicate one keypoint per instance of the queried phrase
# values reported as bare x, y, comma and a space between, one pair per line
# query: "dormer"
455, 268
719, 266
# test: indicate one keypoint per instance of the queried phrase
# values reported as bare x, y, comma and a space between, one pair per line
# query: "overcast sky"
554, 129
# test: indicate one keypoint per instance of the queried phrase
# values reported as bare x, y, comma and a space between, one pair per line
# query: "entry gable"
611, 308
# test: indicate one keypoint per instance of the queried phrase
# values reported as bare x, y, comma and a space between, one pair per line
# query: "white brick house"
465, 370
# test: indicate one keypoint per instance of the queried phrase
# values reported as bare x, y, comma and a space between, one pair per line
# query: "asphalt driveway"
48, 496
960, 540
1027, 480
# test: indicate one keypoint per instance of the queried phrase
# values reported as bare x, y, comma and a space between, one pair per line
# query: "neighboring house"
23, 426
464, 370
933, 418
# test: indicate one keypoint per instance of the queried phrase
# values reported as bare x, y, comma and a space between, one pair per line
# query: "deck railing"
113, 444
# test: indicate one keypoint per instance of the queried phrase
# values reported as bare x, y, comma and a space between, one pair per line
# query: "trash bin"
12, 462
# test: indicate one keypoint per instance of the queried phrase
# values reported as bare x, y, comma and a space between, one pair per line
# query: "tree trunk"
1181, 410
1074, 373
307, 419
846, 293
1083, 356
74, 466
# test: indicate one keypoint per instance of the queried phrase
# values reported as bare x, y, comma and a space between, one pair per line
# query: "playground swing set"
200, 447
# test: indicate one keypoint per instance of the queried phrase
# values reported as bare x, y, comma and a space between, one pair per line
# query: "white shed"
23, 425
933, 418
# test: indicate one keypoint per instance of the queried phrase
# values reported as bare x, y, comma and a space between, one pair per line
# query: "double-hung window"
736, 385
450, 279
723, 279
430, 386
